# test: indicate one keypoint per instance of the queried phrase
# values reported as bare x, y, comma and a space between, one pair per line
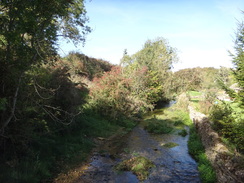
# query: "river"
172, 165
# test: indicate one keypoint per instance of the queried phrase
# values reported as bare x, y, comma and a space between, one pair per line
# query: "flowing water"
173, 165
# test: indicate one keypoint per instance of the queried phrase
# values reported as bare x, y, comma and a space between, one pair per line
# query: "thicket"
51, 108
201, 79
135, 86
227, 117
42, 122
51, 126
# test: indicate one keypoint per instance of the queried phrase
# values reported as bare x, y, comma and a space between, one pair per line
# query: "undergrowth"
49, 155
158, 126
197, 151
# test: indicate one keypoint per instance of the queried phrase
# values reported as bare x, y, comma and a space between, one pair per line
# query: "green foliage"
37, 103
225, 77
207, 173
196, 149
170, 144
140, 166
30, 40
178, 116
46, 155
111, 95
80, 65
131, 90
157, 58
228, 118
187, 79
228, 121
156, 54
178, 123
183, 133
238, 61
158, 126
2, 40
238, 58
194, 93
196, 79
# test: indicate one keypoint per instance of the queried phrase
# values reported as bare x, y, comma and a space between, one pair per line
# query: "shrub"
183, 133
228, 121
112, 96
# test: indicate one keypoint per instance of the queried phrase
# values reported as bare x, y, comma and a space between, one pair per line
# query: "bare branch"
5, 124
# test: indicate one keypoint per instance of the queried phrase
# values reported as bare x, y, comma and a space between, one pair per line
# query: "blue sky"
201, 30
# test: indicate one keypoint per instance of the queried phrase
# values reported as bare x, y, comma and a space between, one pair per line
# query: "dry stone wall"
228, 166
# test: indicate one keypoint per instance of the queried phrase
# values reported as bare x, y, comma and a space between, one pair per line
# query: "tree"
187, 79
158, 57
112, 95
238, 61
29, 31
228, 118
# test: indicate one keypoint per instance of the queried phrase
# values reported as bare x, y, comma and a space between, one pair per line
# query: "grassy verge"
197, 151
51, 154
195, 147
158, 126
170, 120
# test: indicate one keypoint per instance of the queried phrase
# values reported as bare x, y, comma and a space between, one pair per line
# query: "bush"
228, 121
112, 96
183, 133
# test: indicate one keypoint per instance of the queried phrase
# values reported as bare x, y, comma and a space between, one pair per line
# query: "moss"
158, 126
140, 166
170, 145
183, 133
178, 122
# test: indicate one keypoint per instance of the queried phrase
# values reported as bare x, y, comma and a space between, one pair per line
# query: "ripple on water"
172, 164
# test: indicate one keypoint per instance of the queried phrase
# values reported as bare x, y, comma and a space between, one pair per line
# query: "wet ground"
173, 165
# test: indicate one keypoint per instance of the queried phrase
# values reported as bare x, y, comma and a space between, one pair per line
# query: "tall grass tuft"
196, 149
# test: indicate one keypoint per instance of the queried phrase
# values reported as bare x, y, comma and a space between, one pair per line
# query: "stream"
172, 165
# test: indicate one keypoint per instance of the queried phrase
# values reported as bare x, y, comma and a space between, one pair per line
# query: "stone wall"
228, 166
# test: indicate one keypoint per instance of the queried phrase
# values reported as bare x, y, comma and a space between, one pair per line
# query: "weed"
183, 133
138, 165
158, 126
178, 123
196, 149
170, 145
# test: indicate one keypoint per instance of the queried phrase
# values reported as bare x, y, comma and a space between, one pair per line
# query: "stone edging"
226, 165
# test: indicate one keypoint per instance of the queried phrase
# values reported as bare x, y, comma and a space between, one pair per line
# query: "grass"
196, 149
183, 133
52, 154
140, 166
158, 126
171, 120
194, 93
170, 145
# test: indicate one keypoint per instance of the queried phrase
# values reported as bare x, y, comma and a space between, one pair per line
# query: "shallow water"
173, 165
